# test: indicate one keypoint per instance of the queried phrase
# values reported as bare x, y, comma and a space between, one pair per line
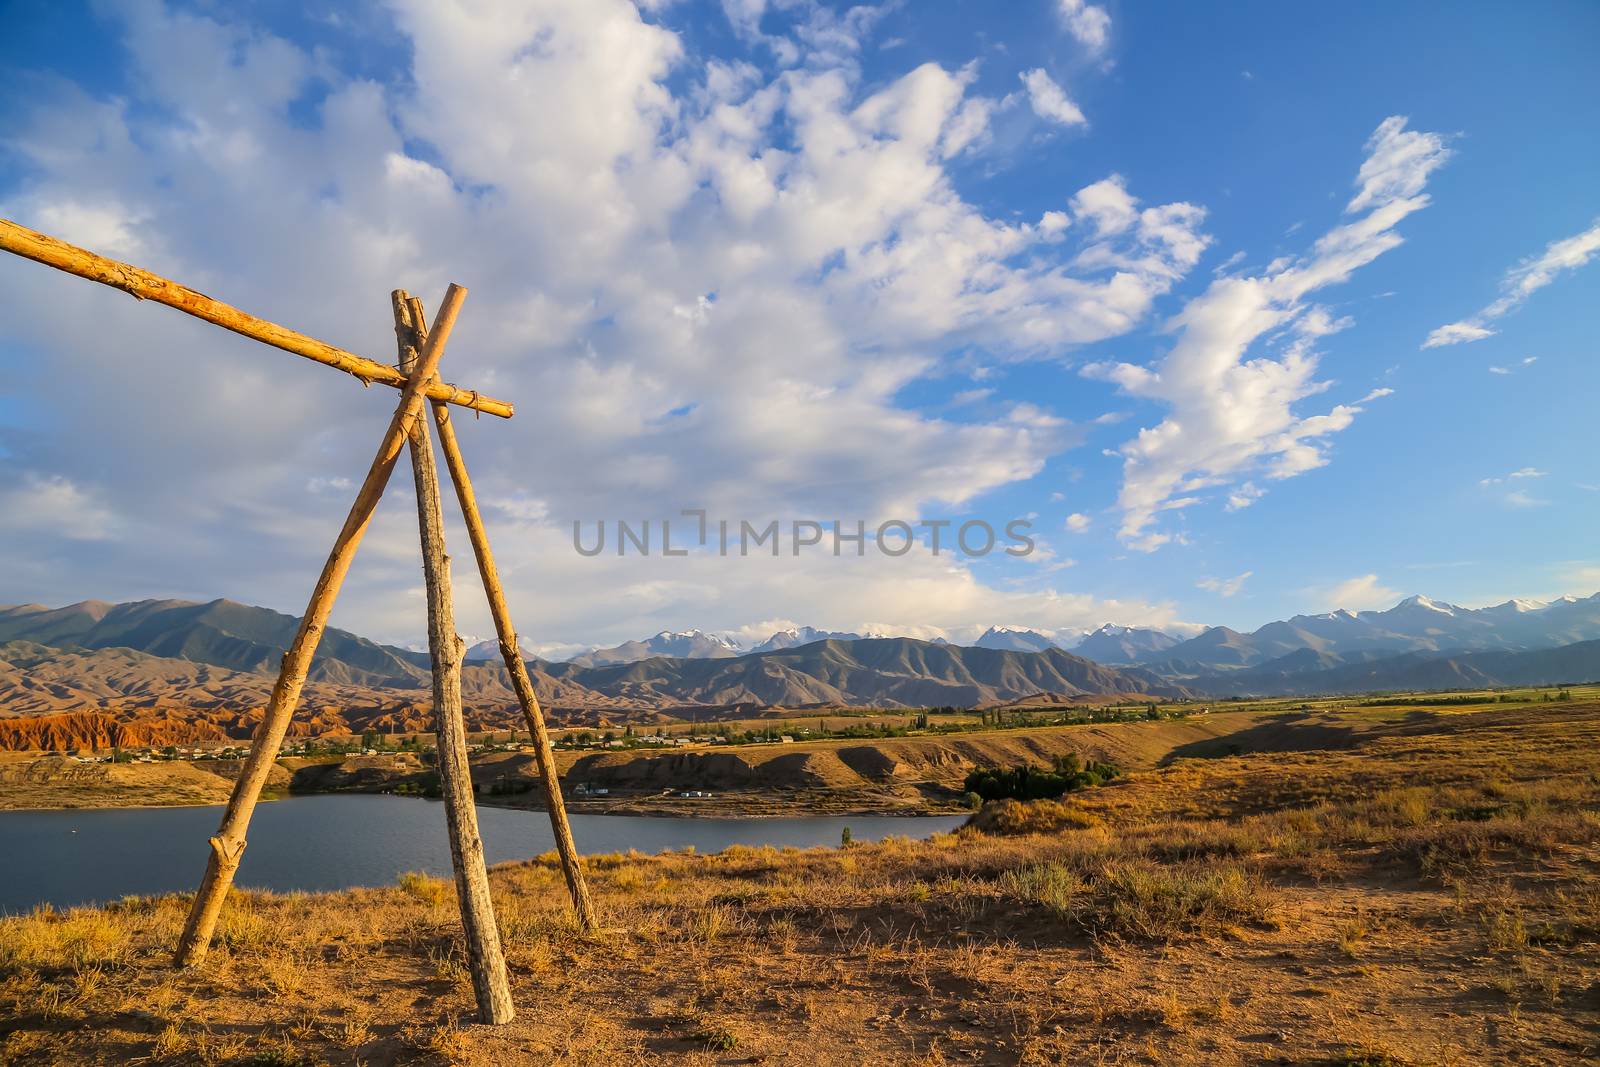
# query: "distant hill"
802, 635
1123, 644
690, 644
1306, 673
215, 664
1416, 624
1015, 639
223, 633
879, 672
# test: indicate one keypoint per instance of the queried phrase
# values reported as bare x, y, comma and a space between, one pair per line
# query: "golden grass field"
1418, 887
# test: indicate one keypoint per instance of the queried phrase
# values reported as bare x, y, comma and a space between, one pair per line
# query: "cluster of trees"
1028, 782
1460, 701
925, 721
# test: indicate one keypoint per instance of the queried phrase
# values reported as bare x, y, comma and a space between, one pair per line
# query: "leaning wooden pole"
228, 844
143, 285
485, 961
562, 830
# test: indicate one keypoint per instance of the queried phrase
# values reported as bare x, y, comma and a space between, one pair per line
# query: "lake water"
320, 843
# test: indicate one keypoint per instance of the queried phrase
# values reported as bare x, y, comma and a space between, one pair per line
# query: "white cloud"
1513, 497
1397, 165
1243, 496
1077, 522
1521, 282
1049, 100
745, 16
1456, 333
1089, 23
1107, 204
1225, 587
337, 485
1359, 593
1228, 264
1524, 472
1233, 417
1526, 361
52, 506
667, 255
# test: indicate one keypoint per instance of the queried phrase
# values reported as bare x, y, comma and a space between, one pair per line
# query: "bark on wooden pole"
229, 842
559, 826
485, 961
143, 285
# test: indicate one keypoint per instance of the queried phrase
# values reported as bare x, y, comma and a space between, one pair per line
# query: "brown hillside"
938, 760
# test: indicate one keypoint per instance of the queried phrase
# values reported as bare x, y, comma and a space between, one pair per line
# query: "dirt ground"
1423, 892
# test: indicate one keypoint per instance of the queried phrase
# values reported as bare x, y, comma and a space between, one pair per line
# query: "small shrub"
47, 939
716, 1037
1144, 899
242, 928
1050, 885
714, 923
429, 890
1031, 817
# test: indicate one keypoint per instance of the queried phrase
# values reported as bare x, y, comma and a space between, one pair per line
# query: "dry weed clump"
51, 941
1031, 817
425, 888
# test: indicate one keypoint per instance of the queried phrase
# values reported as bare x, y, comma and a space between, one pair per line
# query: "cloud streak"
1362, 592
1520, 283
1233, 417
1224, 587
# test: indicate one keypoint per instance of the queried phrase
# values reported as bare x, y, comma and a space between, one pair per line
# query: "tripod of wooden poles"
420, 350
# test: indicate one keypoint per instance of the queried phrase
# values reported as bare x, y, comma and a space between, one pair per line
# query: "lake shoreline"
332, 842
623, 807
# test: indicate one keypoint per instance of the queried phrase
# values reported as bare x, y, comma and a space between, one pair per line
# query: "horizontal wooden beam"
139, 283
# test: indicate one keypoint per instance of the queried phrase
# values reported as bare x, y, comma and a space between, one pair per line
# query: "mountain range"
1416, 624
216, 662
688, 644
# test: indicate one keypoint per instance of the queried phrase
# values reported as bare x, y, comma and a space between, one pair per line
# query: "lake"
320, 843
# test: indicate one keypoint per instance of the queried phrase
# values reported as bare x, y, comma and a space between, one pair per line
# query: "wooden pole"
143, 285
482, 935
228, 844
561, 829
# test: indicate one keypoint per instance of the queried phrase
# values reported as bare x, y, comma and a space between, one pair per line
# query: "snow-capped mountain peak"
691, 635
1426, 604
1111, 629
795, 636
1517, 606
1015, 639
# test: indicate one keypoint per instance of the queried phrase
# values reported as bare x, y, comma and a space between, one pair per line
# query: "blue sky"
792, 260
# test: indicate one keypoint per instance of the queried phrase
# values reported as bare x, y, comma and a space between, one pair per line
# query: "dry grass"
1427, 897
